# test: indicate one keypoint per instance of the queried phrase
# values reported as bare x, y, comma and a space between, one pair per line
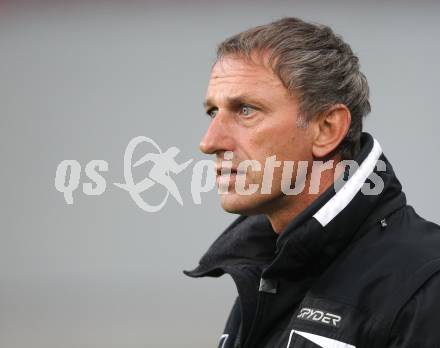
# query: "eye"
212, 112
247, 110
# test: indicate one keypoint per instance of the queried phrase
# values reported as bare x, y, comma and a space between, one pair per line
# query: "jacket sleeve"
417, 324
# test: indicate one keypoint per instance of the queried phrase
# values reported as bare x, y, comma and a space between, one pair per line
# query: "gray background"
78, 81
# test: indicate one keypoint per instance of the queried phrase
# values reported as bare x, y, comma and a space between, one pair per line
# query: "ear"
330, 129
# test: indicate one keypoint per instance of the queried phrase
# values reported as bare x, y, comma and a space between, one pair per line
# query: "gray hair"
314, 64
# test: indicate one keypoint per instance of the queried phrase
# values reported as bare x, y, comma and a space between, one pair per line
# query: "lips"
226, 171
229, 171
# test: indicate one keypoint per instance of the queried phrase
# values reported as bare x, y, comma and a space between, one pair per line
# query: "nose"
218, 137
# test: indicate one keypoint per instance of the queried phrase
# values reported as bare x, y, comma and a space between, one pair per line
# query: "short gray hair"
315, 64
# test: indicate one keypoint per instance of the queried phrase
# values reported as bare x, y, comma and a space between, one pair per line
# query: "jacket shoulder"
394, 255
416, 323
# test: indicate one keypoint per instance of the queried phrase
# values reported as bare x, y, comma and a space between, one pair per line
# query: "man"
342, 262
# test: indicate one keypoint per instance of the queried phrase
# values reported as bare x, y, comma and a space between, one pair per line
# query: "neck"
289, 206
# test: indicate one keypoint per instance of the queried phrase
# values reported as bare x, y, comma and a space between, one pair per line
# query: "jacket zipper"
251, 337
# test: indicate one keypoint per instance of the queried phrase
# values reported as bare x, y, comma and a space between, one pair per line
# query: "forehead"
235, 73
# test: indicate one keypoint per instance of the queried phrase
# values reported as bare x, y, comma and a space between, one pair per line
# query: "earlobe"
330, 129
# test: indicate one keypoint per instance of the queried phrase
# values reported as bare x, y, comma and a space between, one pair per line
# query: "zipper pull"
268, 285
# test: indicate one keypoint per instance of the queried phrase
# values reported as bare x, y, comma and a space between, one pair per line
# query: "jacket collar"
316, 236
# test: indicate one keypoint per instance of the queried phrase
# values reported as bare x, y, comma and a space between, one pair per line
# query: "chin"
245, 205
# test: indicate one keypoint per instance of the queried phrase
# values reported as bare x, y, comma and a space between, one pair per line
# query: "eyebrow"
236, 101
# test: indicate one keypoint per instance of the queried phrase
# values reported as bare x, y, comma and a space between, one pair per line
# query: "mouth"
225, 171
229, 171
228, 178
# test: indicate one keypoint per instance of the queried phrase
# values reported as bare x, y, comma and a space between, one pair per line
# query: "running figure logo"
163, 164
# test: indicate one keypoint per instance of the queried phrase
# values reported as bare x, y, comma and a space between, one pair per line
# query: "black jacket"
352, 270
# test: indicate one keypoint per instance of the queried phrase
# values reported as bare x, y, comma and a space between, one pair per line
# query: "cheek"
269, 138
282, 141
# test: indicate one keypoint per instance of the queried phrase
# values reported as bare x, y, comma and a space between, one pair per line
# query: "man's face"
254, 117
